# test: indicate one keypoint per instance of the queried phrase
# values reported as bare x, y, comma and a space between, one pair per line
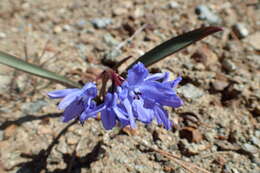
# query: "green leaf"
19, 64
175, 44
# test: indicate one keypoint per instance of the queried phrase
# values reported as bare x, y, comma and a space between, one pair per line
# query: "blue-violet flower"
76, 102
141, 97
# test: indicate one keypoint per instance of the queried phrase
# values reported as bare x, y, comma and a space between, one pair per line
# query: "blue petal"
158, 76
108, 118
67, 100
122, 91
61, 93
174, 83
129, 111
121, 116
160, 93
162, 117
91, 112
143, 114
91, 92
88, 85
137, 74
111, 99
174, 101
73, 110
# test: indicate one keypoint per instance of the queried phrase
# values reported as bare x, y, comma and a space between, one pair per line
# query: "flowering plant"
141, 96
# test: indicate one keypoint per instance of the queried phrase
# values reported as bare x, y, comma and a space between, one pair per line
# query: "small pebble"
2, 35
57, 29
255, 141
191, 134
240, 30
101, 22
139, 12
219, 85
110, 57
250, 148
229, 65
173, 5
1, 135
67, 28
110, 40
204, 13
120, 11
189, 91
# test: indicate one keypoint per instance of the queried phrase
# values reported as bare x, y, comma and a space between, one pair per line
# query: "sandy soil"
218, 128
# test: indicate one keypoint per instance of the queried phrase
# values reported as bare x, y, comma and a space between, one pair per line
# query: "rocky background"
217, 129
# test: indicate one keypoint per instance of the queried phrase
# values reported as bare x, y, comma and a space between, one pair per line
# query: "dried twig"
122, 44
44, 49
186, 165
52, 57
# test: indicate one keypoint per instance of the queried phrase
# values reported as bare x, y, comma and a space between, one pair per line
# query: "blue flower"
141, 97
76, 102
111, 112
144, 96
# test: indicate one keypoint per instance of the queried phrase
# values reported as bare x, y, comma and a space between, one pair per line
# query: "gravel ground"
218, 128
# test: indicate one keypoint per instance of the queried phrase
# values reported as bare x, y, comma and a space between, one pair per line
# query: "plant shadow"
38, 163
27, 118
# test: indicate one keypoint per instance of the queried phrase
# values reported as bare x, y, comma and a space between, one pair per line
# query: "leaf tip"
212, 29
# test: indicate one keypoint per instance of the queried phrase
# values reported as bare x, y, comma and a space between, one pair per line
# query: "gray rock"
138, 12
204, 13
5, 83
140, 168
173, 5
219, 85
249, 148
67, 28
255, 141
33, 107
2, 35
57, 29
110, 40
256, 160
257, 133
190, 148
110, 57
240, 30
228, 65
101, 22
62, 147
1, 135
189, 91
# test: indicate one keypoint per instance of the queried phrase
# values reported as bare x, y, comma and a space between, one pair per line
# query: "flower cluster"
142, 96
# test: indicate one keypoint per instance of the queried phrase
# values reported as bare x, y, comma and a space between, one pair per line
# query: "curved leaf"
175, 44
19, 64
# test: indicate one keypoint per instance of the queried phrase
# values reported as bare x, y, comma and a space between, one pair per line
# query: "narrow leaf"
19, 64
175, 44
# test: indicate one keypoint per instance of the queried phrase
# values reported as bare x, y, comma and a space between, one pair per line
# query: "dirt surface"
218, 128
